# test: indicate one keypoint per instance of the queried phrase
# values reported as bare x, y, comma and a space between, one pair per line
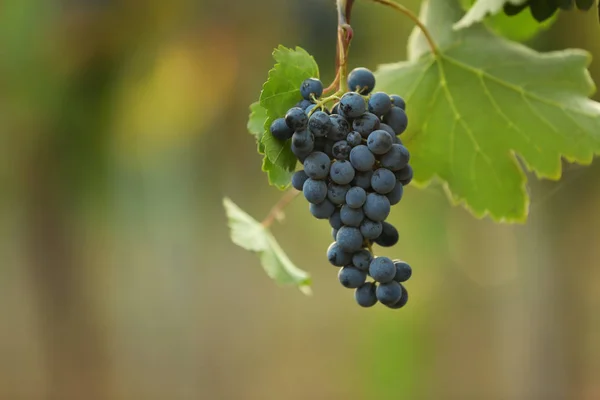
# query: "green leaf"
518, 27
256, 123
279, 94
278, 176
251, 235
481, 9
483, 103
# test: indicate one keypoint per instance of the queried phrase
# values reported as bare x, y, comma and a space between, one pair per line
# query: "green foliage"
278, 176
279, 94
518, 27
483, 101
251, 235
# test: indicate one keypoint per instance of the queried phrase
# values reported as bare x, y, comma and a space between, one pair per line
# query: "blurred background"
122, 126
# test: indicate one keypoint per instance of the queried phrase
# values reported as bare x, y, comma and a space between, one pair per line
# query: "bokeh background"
122, 126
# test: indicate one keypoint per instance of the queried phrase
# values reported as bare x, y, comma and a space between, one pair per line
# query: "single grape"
361, 80
396, 194
379, 142
398, 101
303, 140
301, 153
335, 220
298, 179
316, 165
337, 256
366, 124
397, 119
389, 293
388, 129
342, 172
365, 295
377, 207
383, 180
314, 191
351, 216
362, 259
361, 158
403, 299
382, 269
319, 124
380, 103
354, 138
356, 197
403, 270
404, 175
280, 130
363, 179
341, 150
303, 104
296, 119
340, 128
349, 239
352, 105
337, 193
395, 159
311, 87
351, 277
323, 210
371, 230
389, 235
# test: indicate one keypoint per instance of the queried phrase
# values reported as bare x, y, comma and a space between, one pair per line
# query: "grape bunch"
355, 169
544, 9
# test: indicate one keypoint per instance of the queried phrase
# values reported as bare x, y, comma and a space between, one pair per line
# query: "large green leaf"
482, 9
483, 103
251, 235
279, 94
518, 27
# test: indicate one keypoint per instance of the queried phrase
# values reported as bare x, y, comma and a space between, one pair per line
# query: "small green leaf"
251, 235
518, 27
279, 94
484, 103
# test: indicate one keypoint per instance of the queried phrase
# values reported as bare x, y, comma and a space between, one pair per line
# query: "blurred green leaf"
518, 27
482, 101
251, 235
480, 9
279, 94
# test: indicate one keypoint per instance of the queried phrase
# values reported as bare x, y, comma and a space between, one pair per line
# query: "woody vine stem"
339, 84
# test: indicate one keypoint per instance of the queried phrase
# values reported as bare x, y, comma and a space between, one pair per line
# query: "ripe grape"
322, 210
298, 179
314, 191
380, 103
377, 207
354, 139
403, 270
365, 294
350, 239
316, 165
351, 216
398, 101
280, 130
319, 124
389, 235
382, 269
342, 172
311, 87
389, 293
361, 158
296, 118
337, 256
351, 277
383, 181
352, 105
356, 197
361, 80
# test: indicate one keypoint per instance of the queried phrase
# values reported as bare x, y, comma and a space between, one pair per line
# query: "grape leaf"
251, 235
518, 27
279, 94
481, 9
483, 101
278, 176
